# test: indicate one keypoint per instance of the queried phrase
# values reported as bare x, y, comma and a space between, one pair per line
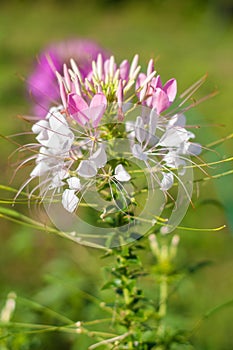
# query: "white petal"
140, 131
63, 174
56, 182
59, 174
43, 137
138, 152
194, 149
58, 140
129, 128
56, 119
43, 154
66, 142
177, 120
48, 139
54, 110
172, 159
40, 169
40, 126
174, 137
74, 183
57, 122
69, 200
167, 181
59, 136
121, 174
99, 157
153, 122
191, 148
87, 168
153, 140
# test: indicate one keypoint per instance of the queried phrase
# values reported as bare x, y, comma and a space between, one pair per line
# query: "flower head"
110, 129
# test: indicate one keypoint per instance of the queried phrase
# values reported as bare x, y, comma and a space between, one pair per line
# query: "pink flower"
156, 95
79, 110
42, 84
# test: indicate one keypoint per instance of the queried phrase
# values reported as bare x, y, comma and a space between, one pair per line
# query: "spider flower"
110, 126
42, 83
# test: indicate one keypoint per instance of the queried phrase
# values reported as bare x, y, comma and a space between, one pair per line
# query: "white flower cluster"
70, 157
60, 162
163, 144
56, 139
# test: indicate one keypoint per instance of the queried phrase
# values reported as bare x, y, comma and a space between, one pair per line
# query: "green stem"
125, 274
126, 296
162, 303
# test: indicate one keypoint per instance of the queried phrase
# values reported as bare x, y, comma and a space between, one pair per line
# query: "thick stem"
126, 272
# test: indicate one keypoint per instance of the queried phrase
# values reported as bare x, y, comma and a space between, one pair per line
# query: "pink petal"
120, 93
156, 82
160, 101
124, 70
62, 92
76, 103
66, 77
171, 89
95, 114
75, 106
106, 66
150, 92
98, 99
97, 108
140, 80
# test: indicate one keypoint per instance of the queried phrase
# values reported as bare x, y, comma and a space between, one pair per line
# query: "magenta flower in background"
42, 84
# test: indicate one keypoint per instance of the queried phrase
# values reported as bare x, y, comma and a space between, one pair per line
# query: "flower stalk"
162, 304
112, 148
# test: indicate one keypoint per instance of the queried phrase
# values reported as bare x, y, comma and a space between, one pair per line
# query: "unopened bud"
9, 308
173, 247
154, 245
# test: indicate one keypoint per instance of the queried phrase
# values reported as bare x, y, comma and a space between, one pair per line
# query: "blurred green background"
190, 38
